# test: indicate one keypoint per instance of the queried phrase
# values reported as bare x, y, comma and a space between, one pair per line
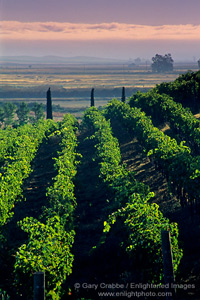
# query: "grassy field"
84, 76
82, 79
71, 84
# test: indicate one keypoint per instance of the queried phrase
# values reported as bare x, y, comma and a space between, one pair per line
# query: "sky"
101, 28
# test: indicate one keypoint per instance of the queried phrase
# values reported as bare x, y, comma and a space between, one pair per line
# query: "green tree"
198, 63
38, 110
162, 63
9, 113
23, 113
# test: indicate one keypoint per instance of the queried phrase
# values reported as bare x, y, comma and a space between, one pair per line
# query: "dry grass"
84, 77
64, 79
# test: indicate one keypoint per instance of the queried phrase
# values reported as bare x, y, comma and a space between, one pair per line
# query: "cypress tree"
123, 95
92, 97
49, 105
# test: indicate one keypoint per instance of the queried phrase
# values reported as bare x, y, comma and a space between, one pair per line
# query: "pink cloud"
13, 30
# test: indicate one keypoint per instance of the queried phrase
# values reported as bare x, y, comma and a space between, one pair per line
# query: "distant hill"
59, 60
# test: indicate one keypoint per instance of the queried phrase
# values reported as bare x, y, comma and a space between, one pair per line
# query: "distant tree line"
10, 114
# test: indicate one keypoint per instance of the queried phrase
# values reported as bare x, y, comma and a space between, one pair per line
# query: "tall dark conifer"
49, 105
123, 95
92, 97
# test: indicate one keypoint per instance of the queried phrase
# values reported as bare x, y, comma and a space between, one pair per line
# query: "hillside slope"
189, 224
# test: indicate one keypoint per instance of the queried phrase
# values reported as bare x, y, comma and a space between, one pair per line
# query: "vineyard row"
20, 148
50, 238
163, 108
180, 168
137, 223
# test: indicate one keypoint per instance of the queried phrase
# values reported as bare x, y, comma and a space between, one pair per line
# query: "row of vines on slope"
185, 90
136, 222
180, 168
17, 164
50, 238
163, 108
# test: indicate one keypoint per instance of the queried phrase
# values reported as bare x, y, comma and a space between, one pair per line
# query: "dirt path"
91, 195
137, 161
35, 186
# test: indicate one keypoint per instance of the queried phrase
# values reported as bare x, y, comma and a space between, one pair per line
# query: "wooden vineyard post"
168, 265
39, 286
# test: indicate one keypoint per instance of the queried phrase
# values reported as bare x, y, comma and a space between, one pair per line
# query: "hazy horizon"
81, 59
107, 29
